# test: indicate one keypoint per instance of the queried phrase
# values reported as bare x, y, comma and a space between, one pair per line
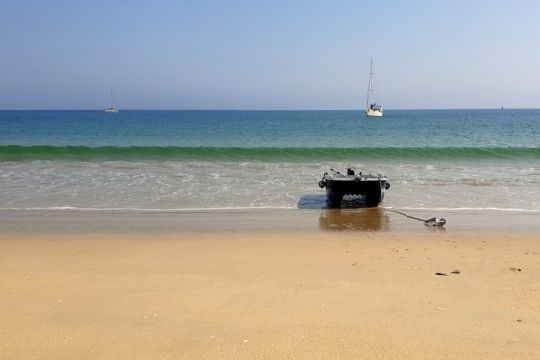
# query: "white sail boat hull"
371, 112
112, 108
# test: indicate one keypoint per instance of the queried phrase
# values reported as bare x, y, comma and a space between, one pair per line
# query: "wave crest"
10, 153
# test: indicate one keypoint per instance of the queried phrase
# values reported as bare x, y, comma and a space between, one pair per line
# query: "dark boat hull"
371, 187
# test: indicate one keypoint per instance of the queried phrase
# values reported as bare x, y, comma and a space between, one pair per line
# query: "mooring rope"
434, 221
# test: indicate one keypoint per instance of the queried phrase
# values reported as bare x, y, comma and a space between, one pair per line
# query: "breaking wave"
10, 153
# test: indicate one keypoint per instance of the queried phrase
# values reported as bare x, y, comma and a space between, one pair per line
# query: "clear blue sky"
268, 54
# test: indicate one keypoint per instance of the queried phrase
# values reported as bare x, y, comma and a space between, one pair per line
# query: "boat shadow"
353, 215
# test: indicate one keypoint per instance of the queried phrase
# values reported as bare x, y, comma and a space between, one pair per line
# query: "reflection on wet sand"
366, 219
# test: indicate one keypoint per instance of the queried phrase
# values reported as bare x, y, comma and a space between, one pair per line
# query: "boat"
370, 187
372, 108
111, 108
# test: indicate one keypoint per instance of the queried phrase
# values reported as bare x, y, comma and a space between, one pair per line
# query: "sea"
481, 160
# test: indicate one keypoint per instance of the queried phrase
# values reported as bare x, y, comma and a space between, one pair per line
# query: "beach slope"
270, 296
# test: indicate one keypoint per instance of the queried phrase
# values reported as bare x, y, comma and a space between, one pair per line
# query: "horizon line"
197, 109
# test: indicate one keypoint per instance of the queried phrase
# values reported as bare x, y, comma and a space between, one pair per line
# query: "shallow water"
474, 160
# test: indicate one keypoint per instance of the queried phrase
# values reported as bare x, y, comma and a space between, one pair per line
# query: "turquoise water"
273, 129
474, 159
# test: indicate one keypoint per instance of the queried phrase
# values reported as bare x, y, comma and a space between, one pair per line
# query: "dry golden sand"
270, 296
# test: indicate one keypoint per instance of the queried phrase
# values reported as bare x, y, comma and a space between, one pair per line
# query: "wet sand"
270, 295
262, 220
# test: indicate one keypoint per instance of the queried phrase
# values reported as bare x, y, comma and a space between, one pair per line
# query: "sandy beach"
266, 180
302, 295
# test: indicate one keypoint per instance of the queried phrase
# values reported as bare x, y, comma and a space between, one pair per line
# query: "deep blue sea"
452, 159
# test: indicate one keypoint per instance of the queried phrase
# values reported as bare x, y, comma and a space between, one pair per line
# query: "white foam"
71, 208
177, 187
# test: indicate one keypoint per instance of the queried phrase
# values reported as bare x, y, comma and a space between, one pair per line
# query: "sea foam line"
228, 208
71, 208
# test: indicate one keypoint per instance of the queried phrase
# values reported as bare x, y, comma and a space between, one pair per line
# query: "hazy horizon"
240, 55
247, 109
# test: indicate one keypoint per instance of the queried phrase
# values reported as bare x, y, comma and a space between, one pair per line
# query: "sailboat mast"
370, 86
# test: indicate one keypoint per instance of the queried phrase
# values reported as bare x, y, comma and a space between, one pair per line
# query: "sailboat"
372, 108
111, 108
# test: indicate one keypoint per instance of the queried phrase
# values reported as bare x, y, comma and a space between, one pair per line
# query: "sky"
263, 54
